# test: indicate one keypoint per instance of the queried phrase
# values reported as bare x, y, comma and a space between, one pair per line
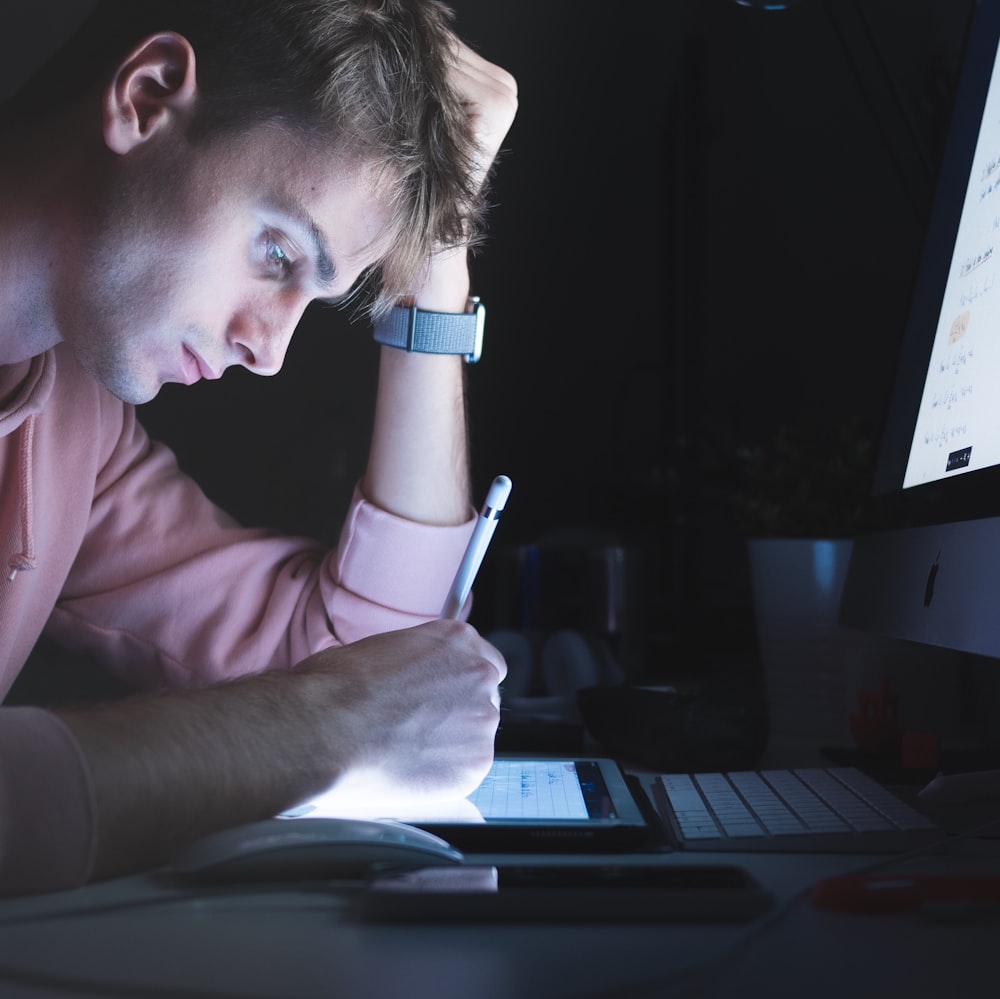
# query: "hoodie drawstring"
25, 559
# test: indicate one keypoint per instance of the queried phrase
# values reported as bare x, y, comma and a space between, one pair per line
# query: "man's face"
199, 259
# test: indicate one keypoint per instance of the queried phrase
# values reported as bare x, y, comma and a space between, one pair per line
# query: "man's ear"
155, 81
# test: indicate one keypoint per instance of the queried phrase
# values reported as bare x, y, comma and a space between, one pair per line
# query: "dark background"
704, 230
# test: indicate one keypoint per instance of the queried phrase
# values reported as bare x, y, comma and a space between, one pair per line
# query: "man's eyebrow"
326, 271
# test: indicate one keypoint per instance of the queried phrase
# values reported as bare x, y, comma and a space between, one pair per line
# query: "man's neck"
35, 200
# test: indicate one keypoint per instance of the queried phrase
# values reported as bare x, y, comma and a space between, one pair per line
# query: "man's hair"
370, 77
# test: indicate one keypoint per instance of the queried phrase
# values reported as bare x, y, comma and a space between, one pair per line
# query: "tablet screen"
519, 800
543, 789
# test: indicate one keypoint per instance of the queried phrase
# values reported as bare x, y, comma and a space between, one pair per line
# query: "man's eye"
277, 259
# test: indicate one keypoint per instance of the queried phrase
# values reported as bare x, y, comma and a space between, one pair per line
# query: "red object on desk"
874, 727
920, 751
899, 892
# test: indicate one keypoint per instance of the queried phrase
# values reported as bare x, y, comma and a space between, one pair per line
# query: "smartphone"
566, 893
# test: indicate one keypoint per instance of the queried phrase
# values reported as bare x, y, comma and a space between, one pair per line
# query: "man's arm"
418, 463
405, 714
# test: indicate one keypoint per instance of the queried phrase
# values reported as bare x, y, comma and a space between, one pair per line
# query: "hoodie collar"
25, 389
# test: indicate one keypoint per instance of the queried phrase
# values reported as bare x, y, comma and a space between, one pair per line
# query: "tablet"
523, 804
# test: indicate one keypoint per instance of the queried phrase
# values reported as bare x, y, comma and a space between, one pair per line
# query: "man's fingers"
490, 96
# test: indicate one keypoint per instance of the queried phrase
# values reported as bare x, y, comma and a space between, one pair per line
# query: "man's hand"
411, 713
489, 94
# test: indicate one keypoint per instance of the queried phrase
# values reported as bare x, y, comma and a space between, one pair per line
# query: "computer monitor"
928, 569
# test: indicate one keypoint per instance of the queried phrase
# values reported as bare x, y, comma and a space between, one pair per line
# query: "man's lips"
195, 368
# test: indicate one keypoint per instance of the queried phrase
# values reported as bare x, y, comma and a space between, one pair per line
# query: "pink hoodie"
107, 547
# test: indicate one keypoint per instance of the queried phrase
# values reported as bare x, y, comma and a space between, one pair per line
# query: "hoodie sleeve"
47, 814
167, 589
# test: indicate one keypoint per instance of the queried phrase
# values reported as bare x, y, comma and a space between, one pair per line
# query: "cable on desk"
114, 990
706, 971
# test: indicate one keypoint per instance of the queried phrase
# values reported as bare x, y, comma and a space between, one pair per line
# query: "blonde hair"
368, 77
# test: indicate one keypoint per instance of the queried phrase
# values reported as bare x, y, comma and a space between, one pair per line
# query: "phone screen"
574, 893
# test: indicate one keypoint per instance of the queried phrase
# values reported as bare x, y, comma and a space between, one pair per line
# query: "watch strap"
421, 332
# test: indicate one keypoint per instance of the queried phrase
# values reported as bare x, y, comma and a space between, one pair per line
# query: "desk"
138, 937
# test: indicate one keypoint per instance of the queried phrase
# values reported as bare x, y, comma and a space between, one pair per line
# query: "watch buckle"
479, 310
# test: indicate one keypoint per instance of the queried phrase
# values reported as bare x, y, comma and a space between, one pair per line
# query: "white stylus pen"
486, 524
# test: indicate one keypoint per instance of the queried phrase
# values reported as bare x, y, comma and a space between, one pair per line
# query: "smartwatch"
421, 332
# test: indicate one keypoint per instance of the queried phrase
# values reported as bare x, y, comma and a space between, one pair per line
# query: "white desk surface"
136, 937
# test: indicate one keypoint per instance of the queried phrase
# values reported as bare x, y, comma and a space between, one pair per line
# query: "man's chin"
131, 383
132, 391
134, 395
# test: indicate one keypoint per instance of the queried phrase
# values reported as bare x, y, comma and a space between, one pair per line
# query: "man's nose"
259, 338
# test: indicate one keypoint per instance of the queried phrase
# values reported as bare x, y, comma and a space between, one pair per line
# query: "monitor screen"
929, 570
957, 418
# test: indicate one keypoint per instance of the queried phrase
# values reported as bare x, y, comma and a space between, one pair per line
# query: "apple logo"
931, 577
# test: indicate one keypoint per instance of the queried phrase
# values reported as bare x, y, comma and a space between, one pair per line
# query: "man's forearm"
167, 769
404, 713
418, 463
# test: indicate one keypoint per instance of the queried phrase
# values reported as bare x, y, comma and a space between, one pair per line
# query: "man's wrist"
418, 331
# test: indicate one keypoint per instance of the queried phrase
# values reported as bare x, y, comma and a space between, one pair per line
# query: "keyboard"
813, 809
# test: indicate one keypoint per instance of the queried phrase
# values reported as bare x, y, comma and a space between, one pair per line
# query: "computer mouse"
319, 849
950, 789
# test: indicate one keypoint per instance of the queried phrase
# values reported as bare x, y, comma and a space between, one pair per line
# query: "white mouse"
980, 785
311, 849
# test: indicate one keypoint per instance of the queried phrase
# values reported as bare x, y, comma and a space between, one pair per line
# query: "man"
178, 185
